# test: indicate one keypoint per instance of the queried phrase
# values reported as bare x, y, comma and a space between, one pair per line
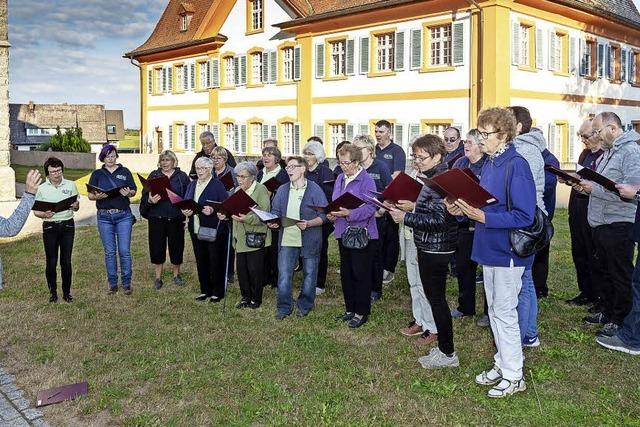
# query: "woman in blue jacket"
507, 176
211, 256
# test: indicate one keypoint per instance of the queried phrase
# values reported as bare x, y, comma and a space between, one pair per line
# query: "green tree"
70, 141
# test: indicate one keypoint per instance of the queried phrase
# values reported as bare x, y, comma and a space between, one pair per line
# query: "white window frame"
337, 134
256, 67
180, 134
287, 64
256, 137
229, 71
230, 137
525, 43
288, 140
440, 45
385, 52
338, 58
256, 15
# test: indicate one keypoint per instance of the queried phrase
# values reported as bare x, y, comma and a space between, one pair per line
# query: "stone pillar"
7, 175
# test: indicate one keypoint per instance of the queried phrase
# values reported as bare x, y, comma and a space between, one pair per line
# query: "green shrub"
70, 141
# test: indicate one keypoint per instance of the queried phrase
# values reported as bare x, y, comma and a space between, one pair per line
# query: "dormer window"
186, 12
255, 16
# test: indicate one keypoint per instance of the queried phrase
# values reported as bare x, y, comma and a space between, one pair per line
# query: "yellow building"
290, 69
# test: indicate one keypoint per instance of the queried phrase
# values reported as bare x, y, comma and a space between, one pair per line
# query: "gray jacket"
11, 226
530, 146
620, 164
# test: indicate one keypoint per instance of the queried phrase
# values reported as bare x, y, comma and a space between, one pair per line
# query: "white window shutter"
208, 73
265, 132
363, 129
192, 76
350, 129
236, 70
149, 82
297, 66
572, 55
364, 55
243, 138
274, 131
552, 138
609, 66
192, 147
236, 138
572, 143
296, 139
273, 66
398, 134
399, 51
351, 57
319, 61
164, 80
265, 67
552, 48
170, 82
623, 65
318, 130
414, 131
214, 128
600, 60
631, 78
416, 48
243, 69
185, 77
169, 138
457, 45
539, 49
581, 55
515, 43
215, 73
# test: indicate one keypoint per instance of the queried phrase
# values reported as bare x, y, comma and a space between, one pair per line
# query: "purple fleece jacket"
363, 216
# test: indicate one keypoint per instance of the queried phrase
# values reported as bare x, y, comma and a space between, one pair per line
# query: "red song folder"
239, 203
403, 187
562, 174
188, 204
347, 201
111, 193
60, 394
157, 185
272, 184
227, 181
457, 184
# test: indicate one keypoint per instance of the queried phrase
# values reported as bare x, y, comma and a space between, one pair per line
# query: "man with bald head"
611, 219
582, 249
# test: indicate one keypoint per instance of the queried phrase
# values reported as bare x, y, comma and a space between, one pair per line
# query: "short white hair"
317, 149
204, 162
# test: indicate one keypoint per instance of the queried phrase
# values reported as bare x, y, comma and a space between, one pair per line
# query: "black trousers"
163, 233
211, 260
271, 260
378, 254
466, 273
355, 274
540, 271
582, 247
250, 269
614, 255
391, 245
323, 265
58, 239
433, 273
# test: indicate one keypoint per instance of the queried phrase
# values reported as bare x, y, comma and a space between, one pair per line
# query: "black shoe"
242, 304
215, 299
158, 283
253, 305
112, 291
53, 298
127, 290
202, 297
578, 300
68, 298
609, 330
357, 322
595, 308
596, 319
345, 317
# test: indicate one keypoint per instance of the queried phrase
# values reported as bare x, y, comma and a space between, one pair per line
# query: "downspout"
137, 64
480, 53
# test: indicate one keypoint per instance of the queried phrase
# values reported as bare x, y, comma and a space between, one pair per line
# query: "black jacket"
434, 228
231, 161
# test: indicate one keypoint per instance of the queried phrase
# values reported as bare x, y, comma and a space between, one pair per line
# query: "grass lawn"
130, 142
160, 358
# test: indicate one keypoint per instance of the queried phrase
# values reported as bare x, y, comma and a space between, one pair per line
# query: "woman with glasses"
319, 173
435, 235
381, 177
115, 219
58, 228
356, 272
301, 240
211, 256
220, 169
506, 176
166, 222
248, 230
474, 159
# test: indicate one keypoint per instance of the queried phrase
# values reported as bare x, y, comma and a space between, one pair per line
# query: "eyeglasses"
202, 168
585, 136
292, 167
419, 158
347, 162
242, 176
308, 154
597, 131
469, 142
450, 139
216, 159
485, 135
55, 171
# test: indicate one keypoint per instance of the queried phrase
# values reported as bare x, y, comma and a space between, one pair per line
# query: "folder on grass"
60, 394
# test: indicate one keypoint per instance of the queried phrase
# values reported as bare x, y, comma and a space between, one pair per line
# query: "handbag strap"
506, 185
108, 175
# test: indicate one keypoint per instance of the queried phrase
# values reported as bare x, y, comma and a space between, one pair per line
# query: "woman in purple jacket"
355, 264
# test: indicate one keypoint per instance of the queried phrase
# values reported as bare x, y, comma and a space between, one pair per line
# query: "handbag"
255, 240
355, 237
208, 234
144, 205
529, 240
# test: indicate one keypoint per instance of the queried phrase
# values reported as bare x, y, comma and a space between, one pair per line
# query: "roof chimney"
32, 106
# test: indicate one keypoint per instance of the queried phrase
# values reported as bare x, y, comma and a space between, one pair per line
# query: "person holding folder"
166, 222
115, 219
248, 231
223, 172
58, 228
355, 262
209, 235
435, 233
301, 240
508, 177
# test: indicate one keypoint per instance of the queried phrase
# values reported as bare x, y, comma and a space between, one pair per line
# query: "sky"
71, 51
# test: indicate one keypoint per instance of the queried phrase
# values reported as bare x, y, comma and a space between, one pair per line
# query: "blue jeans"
115, 229
287, 259
527, 307
630, 332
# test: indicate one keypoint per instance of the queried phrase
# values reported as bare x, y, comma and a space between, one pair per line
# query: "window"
229, 71
230, 137
525, 43
185, 20
615, 64
558, 140
46, 132
435, 127
179, 72
256, 137
288, 139
159, 78
440, 45
337, 134
385, 51
203, 75
111, 129
559, 52
287, 64
255, 15
588, 61
256, 68
338, 58
181, 134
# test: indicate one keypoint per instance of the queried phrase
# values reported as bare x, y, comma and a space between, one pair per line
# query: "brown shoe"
411, 330
427, 338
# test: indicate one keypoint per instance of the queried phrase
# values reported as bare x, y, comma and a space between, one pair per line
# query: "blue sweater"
550, 182
213, 191
313, 196
491, 245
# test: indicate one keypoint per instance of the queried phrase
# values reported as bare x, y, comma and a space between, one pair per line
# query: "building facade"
254, 69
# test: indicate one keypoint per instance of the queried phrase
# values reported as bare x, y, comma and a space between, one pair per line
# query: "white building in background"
290, 69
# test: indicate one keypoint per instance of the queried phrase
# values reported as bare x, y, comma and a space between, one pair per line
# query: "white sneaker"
437, 359
387, 276
319, 291
490, 377
506, 388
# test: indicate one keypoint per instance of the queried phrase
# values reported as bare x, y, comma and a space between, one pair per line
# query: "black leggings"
433, 273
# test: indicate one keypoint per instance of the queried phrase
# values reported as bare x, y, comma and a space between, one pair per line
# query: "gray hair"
246, 166
204, 162
270, 141
474, 134
274, 151
317, 149
367, 142
171, 155
207, 135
